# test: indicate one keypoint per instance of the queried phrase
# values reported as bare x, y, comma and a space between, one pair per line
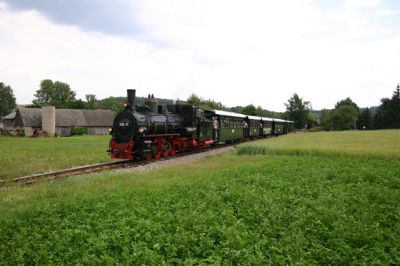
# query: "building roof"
32, 117
10, 116
226, 113
29, 117
232, 114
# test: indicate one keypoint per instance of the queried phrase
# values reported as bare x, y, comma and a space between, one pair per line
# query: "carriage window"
225, 122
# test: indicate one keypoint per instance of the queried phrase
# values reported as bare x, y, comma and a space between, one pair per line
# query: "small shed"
96, 122
8, 122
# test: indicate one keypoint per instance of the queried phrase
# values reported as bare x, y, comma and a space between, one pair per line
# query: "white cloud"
361, 3
388, 13
238, 53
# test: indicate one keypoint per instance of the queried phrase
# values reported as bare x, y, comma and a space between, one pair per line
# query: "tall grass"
376, 144
25, 156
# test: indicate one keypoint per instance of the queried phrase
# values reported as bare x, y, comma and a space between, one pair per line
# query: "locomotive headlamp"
109, 129
141, 130
125, 104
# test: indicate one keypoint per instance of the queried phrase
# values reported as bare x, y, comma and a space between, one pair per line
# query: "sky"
235, 52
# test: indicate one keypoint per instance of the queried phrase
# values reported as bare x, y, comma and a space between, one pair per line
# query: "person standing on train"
245, 129
215, 129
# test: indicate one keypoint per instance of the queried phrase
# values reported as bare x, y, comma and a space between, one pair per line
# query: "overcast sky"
236, 52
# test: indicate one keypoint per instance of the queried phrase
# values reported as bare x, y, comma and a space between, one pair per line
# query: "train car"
230, 125
279, 125
266, 126
254, 124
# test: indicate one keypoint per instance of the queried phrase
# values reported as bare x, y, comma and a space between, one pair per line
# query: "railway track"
48, 176
71, 171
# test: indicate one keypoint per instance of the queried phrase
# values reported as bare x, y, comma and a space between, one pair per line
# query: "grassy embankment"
24, 156
310, 206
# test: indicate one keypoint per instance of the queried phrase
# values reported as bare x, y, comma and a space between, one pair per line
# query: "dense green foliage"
347, 115
26, 156
343, 117
317, 208
365, 119
388, 113
58, 94
91, 101
7, 99
298, 110
206, 104
249, 110
78, 131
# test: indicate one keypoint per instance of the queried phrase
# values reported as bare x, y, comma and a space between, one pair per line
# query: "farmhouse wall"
98, 131
63, 131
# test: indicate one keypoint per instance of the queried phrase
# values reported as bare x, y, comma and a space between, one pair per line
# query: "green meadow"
377, 143
308, 199
22, 156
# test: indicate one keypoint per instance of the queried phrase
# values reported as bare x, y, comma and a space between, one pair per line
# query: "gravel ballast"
162, 163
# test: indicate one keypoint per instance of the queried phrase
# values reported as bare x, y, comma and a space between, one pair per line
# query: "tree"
91, 101
194, 100
112, 104
388, 113
58, 94
312, 120
326, 121
347, 101
78, 104
249, 110
7, 99
297, 110
365, 119
344, 117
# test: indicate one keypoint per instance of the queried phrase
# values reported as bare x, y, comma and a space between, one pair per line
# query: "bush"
21, 133
78, 131
315, 129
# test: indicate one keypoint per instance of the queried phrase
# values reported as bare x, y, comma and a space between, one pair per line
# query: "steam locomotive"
152, 130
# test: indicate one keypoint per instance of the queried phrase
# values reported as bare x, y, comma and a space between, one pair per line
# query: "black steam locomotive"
152, 130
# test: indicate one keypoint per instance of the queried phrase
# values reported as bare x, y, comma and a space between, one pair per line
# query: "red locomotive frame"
164, 146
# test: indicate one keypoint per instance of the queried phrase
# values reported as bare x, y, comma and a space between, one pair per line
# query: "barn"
59, 121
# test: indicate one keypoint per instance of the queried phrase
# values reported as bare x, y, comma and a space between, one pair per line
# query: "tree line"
346, 114
60, 95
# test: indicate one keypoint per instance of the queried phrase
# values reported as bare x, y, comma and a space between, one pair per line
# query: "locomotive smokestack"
131, 99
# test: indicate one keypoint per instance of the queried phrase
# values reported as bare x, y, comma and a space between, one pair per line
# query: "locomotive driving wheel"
157, 155
165, 153
166, 149
148, 156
